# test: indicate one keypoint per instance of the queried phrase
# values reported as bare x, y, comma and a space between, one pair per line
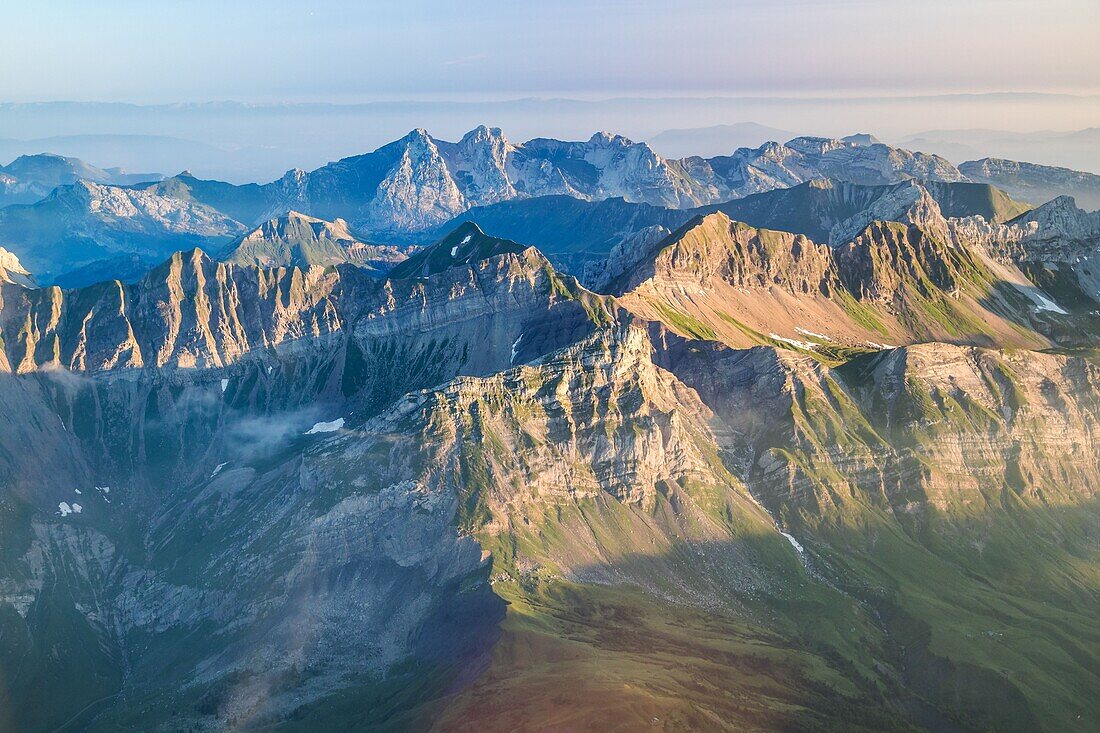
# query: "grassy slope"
978, 616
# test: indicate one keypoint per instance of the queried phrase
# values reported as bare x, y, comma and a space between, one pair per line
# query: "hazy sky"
149, 51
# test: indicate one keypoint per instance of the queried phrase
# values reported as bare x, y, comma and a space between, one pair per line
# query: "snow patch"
326, 427
515, 349
77, 490
1042, 302
790, 538
467, 238
77, 509
808, 346
794, 543
64, 509
811, 334
454, 251
217, 470
225, 383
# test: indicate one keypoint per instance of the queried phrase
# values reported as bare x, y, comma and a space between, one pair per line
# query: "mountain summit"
297, 240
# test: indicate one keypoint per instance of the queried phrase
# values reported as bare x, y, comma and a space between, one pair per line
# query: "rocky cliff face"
634, 460
1060, 219
12, 271
1056, 245
245, 359
193, 312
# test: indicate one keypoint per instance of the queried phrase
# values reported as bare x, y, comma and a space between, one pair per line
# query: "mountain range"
756, 480
484, 436
1076, 149
420, 181
90, 224
30, 178
575, 233
414, 190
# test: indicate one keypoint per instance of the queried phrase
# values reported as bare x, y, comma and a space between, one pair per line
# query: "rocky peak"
482, 135
888, 260
417, 136
463, 247
293, 177
290, 192
1060, 218
714, 249
603, 138
909, 203
298, 240
479, 164
297, 225
418, 191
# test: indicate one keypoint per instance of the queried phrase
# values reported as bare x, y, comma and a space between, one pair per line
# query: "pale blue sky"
150, 51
